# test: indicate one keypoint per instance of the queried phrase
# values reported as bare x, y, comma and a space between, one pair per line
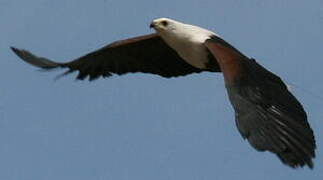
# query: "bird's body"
266, 112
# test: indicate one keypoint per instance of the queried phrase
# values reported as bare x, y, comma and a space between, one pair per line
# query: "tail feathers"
35, 60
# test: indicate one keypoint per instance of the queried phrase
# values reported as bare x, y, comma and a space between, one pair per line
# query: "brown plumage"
266, 113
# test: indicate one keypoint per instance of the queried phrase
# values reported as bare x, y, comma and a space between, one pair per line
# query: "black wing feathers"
34, 60
147, 54
267, 114
270, 117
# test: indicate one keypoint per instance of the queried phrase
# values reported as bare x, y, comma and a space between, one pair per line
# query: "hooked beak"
152, 25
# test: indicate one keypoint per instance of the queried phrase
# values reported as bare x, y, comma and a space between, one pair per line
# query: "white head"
164, 24
187, 40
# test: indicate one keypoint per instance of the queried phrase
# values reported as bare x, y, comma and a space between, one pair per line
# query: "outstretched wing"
146, 54
266, 112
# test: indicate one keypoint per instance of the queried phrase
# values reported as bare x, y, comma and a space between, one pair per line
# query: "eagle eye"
164, 23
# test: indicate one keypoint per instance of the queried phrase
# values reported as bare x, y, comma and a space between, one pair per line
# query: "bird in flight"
266, 113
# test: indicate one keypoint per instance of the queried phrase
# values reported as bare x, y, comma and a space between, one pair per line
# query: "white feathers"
187, 40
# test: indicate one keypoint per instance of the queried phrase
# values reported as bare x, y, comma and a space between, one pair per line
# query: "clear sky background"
139, 126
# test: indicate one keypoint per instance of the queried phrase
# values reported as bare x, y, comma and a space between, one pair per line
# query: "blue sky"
142, 126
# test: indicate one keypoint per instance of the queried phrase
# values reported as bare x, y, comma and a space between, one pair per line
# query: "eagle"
267, 114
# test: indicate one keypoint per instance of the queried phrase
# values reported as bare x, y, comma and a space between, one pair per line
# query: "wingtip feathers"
34, 60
